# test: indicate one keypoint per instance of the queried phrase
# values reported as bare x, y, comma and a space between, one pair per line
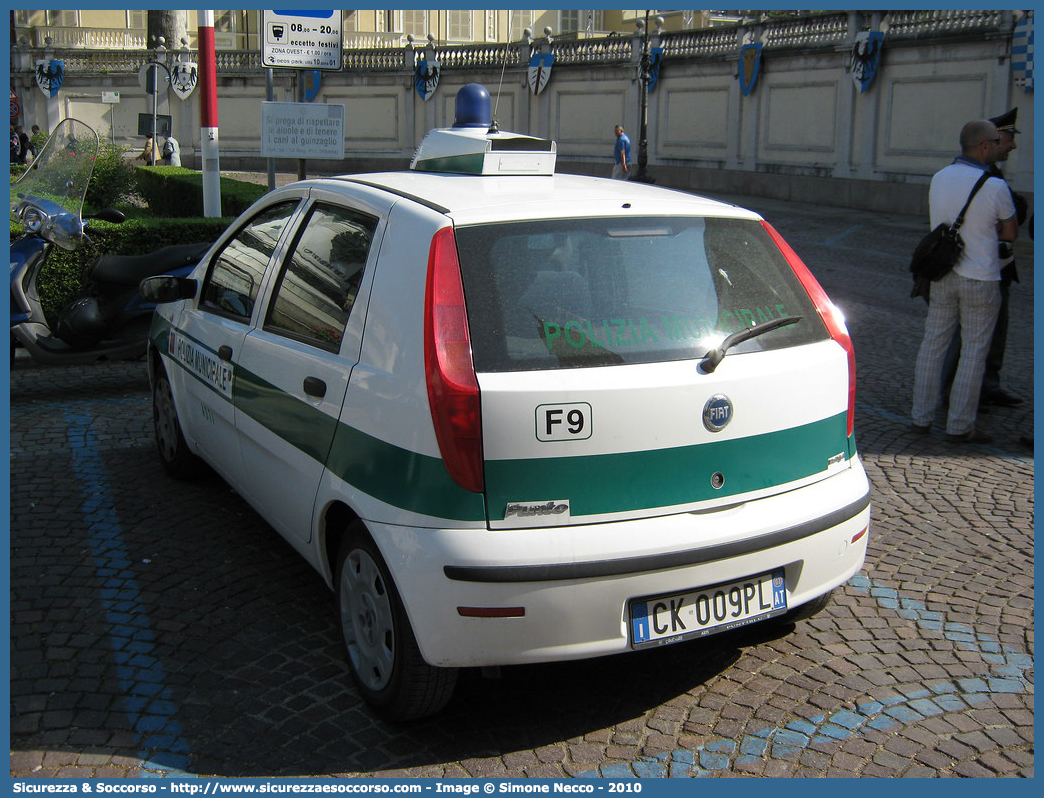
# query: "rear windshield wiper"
714, 357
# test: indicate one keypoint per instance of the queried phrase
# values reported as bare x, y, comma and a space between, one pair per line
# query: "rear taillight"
829, 312
453, 392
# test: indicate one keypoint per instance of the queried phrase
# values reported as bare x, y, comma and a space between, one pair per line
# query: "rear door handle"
313, 386
225, 352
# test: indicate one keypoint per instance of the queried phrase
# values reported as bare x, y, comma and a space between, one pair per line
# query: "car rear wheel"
806, 610
385, 661
174, 453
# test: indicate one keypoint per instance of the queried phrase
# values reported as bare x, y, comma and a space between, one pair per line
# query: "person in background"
621, 154
992, 393
25, 146
171, 151
149, 153
970, 293
38, 138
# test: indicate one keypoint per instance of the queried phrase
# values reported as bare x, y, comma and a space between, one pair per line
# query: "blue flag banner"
1022, 53
655, 66
749, 67
866, 58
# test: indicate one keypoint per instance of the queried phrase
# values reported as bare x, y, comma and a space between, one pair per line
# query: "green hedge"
64, 275
174, 196
174, 192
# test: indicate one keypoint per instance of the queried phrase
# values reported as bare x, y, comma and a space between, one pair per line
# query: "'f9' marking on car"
570, 422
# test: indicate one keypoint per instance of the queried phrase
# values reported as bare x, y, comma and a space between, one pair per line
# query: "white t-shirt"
948, 193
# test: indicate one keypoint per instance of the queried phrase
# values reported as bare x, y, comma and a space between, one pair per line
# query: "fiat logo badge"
717, 413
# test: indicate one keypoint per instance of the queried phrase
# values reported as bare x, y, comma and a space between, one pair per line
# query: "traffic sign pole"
208, 114
302, 40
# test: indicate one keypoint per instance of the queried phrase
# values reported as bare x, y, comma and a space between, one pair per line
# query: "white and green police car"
514, 416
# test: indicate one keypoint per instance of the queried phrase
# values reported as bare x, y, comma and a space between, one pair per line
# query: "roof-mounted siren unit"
474, 146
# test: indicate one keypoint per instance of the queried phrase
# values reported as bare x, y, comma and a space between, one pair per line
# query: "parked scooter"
112, 322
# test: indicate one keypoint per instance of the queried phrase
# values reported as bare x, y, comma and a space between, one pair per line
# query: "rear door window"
574, 293
321, 277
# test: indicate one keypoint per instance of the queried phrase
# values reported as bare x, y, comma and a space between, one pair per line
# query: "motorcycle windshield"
48, 198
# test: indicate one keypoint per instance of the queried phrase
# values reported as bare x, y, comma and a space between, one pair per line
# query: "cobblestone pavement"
159, 628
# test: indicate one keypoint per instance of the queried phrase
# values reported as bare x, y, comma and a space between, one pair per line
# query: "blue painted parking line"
142, 679
842, 235
152, 710
1006, 673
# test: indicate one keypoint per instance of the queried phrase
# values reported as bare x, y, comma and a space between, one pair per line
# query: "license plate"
671, 618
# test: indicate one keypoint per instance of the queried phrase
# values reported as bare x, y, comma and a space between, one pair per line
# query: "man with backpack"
970, 294
171, 152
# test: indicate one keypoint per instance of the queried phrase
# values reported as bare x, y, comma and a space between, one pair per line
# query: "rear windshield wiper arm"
714, 357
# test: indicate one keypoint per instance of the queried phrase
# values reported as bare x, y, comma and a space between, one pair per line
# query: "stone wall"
804, 133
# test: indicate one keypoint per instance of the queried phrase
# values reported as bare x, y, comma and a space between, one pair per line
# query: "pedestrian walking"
968, 295
150, 153
171, 151
621, 154
25, 146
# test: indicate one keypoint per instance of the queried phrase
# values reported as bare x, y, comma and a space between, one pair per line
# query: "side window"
321, 277
235, 275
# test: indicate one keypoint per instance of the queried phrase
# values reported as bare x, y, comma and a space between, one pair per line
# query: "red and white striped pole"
208, 116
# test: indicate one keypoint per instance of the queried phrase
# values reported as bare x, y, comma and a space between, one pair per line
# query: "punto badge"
717, 413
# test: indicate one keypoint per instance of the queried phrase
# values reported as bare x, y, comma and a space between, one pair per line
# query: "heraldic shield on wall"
866, 58
540, 71
426, 77
50, 74
184, 75
749, 67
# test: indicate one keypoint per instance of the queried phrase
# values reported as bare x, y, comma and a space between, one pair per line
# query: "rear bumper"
573, 584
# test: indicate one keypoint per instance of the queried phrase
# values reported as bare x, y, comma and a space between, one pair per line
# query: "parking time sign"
301, 39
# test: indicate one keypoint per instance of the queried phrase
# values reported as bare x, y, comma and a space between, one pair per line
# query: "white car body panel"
384, 464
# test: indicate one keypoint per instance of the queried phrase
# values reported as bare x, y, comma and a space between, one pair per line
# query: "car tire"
173, 451
807, 610
386, 664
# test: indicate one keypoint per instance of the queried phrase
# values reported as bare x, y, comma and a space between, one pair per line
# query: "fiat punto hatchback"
513, 416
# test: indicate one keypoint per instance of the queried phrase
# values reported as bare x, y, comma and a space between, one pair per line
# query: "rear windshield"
575, 293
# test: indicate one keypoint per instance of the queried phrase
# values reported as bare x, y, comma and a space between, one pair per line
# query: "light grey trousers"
974, 305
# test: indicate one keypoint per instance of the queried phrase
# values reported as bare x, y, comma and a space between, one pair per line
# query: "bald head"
976, 132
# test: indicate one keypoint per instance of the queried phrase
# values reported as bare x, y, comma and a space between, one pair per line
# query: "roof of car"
483, 198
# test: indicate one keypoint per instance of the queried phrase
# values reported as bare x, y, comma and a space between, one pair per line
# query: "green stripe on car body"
409, 480
298, 423
159, 332
593, 484
462, 164
628, 481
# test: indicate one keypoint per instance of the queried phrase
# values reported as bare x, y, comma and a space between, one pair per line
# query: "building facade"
238, 30
804, 128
